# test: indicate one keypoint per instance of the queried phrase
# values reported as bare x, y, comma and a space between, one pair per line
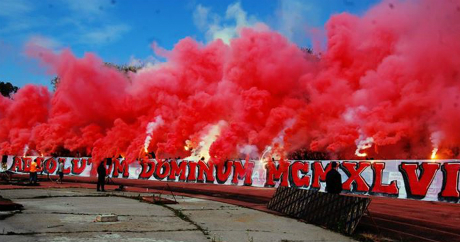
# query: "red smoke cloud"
389, 79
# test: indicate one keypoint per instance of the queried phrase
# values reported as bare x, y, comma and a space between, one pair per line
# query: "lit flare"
433, 153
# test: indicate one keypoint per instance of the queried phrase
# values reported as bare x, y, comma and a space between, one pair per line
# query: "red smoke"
391, 75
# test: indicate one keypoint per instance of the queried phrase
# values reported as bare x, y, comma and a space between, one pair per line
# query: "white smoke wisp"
152, 126
280, 137
26, 148
225, 27
435, 138
362, 144
351, 115
250, 151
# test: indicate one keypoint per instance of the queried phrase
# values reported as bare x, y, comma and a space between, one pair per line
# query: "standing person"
33, 172
101, 172
61, 171
333, 180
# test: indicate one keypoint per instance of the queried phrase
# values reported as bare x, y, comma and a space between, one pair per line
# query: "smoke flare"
391, 76
152, 126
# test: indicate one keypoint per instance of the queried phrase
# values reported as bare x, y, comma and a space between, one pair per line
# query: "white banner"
428, 180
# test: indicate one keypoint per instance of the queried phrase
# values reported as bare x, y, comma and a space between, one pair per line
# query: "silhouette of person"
333, 180
101, 173
60, 171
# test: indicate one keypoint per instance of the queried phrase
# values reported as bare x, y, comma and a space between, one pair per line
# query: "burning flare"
267, 149
436, 138
433, 153
362, 145
202, 150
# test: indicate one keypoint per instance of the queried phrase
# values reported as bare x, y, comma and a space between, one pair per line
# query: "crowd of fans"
305, 154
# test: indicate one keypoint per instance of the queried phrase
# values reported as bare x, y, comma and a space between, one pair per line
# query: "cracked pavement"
69, 214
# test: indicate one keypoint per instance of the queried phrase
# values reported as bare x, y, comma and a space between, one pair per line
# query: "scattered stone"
107, 218
158, 200
54, 226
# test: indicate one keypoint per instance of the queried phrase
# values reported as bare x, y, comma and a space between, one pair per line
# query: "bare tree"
125, 69
7, 89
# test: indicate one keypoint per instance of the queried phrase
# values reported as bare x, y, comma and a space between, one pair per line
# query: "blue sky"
121, 31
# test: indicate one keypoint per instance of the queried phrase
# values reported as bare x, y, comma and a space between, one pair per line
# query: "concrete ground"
68, 215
